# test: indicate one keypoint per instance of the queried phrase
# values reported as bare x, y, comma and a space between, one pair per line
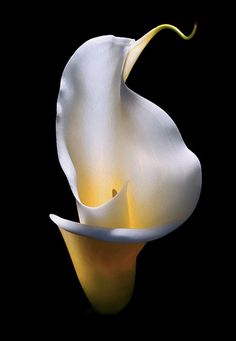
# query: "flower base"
105, 270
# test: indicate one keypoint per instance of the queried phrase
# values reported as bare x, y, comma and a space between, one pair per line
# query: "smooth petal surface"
110, 138
89, 127
133, 177
106, 270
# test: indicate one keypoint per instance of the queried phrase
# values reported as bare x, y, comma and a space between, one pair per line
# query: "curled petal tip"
139, 45
192, 34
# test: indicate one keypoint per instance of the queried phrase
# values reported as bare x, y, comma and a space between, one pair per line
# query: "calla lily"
133, 178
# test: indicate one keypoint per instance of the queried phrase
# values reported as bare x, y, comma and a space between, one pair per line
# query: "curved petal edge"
115, 235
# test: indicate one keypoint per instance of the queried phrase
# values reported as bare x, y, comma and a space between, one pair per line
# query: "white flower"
132, 176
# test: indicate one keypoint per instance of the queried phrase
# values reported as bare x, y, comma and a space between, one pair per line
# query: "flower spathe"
132, 176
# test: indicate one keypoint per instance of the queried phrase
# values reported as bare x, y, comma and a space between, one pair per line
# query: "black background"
176, 275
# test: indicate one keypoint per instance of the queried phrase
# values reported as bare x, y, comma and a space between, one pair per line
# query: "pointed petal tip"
53, 217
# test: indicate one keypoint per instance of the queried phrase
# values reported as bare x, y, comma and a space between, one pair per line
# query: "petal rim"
115, 235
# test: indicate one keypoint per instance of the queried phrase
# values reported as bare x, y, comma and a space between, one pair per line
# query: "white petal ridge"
115, 235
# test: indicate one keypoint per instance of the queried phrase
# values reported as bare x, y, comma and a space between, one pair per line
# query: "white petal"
89, 124
108, 136
164, 175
